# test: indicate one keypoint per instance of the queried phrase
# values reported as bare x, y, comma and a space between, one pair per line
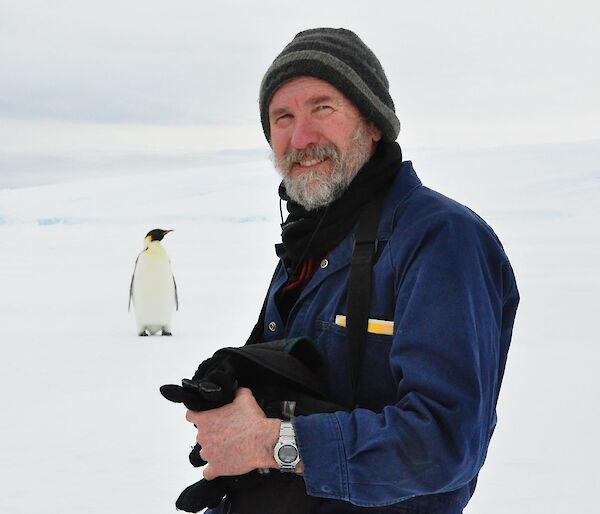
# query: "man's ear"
375, 133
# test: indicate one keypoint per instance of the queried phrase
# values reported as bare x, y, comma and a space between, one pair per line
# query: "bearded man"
440, 310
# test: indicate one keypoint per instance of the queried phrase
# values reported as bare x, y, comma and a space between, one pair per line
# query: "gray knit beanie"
340, 57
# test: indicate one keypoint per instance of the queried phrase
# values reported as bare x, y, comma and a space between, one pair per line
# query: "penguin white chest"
153, 292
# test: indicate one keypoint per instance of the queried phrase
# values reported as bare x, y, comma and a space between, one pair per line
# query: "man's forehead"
305, 89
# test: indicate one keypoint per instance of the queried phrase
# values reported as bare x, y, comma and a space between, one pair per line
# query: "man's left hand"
235, 438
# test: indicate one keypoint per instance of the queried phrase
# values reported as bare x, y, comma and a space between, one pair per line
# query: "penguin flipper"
131, 284
176, 297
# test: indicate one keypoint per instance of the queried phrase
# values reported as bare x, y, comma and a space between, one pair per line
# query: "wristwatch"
286, 452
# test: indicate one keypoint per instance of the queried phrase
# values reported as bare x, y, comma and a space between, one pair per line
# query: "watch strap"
287, 438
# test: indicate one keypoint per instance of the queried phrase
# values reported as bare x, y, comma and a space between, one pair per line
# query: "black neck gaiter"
313, 233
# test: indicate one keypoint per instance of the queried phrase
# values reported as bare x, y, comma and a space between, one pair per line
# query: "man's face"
319, 140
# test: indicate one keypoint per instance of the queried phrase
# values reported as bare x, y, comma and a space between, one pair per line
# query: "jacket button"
324, 263
272, 326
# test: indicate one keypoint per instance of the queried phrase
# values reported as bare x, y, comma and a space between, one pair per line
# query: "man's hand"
235, 438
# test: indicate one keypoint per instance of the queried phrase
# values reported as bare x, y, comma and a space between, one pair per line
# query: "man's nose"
304, 134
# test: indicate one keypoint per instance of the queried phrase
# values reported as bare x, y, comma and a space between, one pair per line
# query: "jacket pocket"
376, 385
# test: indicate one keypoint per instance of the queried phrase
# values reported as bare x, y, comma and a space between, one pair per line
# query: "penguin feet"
143, 334
166, 333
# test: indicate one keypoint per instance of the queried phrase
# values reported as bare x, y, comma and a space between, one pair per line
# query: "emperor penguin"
153, 290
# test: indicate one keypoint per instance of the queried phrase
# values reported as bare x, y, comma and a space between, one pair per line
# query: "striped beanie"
340, 57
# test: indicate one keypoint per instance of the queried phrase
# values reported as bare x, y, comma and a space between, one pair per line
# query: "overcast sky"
183, 75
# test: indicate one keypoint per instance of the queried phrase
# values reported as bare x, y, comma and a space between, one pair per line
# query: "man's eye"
283, 117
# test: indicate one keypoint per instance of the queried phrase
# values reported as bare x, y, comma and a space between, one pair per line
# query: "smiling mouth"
310, 163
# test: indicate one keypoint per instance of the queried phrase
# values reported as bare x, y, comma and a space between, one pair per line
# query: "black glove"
194, 457
210, 388
209, 493
202, 494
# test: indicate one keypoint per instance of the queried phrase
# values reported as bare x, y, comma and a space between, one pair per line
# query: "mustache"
317, 152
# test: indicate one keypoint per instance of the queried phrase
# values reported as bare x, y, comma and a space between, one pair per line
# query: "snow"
83, 427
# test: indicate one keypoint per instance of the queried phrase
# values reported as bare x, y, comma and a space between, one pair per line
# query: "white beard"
318, 188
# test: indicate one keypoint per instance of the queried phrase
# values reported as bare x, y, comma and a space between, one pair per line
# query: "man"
441, 310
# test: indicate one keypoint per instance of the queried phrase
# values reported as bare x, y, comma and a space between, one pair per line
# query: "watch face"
287, 454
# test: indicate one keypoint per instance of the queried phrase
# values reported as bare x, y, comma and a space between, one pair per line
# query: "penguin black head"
157, 234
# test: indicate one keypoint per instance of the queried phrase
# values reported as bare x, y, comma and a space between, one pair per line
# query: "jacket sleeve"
454, 291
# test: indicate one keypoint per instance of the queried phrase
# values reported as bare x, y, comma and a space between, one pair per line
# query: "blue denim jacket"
427, 392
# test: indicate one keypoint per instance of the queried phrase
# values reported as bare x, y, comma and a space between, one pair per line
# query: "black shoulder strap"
359, 286
359, 289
